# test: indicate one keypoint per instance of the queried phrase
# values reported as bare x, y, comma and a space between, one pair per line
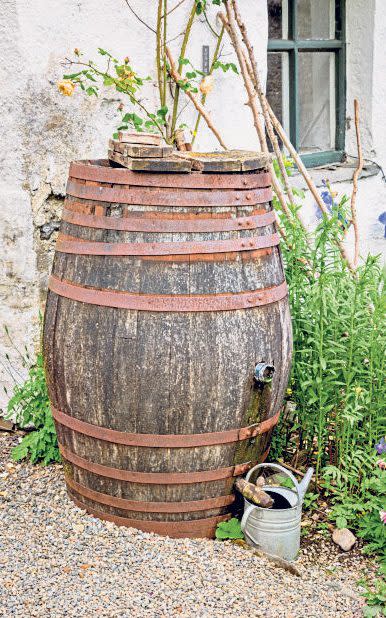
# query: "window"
306, 75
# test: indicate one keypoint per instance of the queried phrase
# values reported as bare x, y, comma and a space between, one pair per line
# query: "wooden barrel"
166, 291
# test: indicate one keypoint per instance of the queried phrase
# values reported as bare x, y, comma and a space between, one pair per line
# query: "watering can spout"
303, 485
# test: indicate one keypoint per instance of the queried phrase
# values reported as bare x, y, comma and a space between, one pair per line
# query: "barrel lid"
217, 161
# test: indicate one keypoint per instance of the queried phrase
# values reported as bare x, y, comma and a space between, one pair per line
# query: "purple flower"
327, 199
382, 516
382, 219
381, 446
328, 196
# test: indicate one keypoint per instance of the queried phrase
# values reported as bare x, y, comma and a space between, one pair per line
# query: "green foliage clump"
375, 599
230, 529
30, 406
337, 394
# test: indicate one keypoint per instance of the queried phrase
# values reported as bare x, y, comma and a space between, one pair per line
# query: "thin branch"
356, 175
174, 8
158, 49
140, 18
182, 55
165, 71
272, 137
282, 134
214, 59
177, 78
213, 31
230, 27
174, 38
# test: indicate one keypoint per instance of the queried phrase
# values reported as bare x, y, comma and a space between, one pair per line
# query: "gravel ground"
56, 561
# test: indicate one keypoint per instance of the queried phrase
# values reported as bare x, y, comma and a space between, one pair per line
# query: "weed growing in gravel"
30, 407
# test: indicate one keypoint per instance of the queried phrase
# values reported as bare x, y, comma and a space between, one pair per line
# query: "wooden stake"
230, 27
177, 78
356, 175
280, 131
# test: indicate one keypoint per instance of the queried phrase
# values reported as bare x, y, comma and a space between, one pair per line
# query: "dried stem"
272, 137
310, 183
356, 175
230, 27
165, 71
182, 55
159, 49
278, 127
174, 8
142, 21
177, 78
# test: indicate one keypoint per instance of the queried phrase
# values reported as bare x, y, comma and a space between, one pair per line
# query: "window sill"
334, 172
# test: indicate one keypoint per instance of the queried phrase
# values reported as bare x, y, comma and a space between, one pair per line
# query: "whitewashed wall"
43, 131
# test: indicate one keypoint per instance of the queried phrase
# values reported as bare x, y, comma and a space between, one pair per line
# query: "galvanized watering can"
276, 531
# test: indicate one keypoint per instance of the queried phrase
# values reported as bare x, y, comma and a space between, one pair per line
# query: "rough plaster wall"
379, 83
360, 16
43, 131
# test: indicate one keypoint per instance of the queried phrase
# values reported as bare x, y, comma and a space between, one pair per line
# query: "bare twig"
159, 49
165, 71
142, 21
174, 8
230, 27
182, 54
177, 78
279, 129
214, 59
213, 31
356, 175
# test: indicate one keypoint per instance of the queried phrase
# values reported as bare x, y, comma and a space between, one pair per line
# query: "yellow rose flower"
207, 84
66, 87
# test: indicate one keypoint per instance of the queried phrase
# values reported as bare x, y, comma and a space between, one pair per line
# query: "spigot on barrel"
263, 373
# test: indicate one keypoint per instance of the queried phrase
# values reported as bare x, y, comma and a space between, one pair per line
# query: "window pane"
316, 19
278, 19
278, 86
316, 101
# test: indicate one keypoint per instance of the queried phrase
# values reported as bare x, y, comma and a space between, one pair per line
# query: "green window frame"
293, 46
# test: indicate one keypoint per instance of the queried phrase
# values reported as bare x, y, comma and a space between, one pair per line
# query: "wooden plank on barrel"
132, 137
164, 164
230, 160
143, 151
140, 150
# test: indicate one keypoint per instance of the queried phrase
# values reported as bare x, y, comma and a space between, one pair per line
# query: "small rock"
344, 538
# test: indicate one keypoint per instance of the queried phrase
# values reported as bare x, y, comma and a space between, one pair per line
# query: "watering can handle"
281, 469
247, 512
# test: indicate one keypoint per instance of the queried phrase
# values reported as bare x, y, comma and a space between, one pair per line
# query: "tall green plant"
338, 387
30, 407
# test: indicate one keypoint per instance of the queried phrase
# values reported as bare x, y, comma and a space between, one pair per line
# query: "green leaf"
230, 529
72, 75
183, 61
341, 522
162, 111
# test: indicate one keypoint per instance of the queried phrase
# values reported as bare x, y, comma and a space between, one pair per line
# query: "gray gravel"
56, 561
